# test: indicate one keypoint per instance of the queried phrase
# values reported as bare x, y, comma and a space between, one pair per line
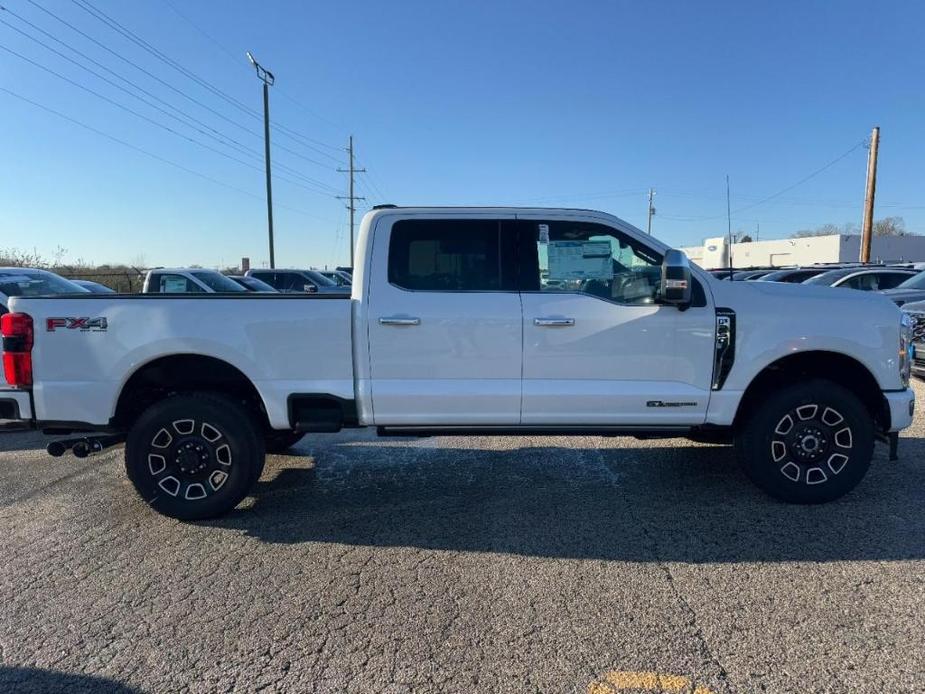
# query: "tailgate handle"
554, 322
399, 320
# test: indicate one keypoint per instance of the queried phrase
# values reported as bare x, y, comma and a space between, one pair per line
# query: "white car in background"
24, 281
189, 281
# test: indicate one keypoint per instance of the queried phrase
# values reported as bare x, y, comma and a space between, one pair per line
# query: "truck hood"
777, 319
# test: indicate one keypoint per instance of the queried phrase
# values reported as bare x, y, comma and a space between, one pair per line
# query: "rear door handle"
554, 322
399, 320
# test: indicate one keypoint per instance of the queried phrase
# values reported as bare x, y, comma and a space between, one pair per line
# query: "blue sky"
575, 104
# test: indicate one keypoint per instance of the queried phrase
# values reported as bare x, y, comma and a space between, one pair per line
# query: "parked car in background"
345, 268
863, 278
916, 311
94, 287
22, 281
297, 281
743, 275
793, 275
252, 284
189, 281
338, 277
912, 289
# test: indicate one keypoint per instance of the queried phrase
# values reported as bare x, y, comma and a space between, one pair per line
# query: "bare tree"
891, 226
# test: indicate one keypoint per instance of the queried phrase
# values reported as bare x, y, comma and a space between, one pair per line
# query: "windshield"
36, 283
319, 279
217, 282
829, 277
914, 282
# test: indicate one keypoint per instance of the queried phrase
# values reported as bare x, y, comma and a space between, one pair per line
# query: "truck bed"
284, 344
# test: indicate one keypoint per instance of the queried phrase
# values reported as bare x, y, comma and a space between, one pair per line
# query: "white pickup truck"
468, 321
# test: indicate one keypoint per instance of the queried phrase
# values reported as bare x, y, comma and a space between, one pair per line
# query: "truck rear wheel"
194, 456
807, 443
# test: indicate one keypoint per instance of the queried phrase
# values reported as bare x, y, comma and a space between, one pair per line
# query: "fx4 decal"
84, 325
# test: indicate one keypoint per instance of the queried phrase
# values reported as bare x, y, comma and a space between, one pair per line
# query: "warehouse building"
835, 248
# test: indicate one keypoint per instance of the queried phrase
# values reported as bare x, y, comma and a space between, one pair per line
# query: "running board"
642, 432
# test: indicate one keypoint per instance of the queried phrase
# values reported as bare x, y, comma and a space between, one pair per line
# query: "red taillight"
17, 332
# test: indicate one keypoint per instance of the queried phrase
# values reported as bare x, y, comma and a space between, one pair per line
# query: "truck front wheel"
194, 456
807, 443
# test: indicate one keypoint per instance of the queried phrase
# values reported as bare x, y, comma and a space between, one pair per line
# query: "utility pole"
728, 227
350, 196
651, 211
867, 226
267, 78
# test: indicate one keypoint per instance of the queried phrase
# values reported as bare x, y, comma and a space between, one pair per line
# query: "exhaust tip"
56, 449
81, 450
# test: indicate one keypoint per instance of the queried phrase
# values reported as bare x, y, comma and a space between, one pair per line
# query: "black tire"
194, 456
281, 441
807, 443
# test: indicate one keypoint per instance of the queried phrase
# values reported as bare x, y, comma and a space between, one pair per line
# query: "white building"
836, 248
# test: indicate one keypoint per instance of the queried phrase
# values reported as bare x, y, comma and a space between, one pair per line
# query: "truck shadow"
28, 680
685, 504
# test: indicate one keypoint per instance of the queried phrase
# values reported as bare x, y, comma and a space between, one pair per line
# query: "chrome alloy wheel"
189, 459
811, 443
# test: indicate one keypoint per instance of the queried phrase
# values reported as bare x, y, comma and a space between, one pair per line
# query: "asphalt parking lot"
464, 565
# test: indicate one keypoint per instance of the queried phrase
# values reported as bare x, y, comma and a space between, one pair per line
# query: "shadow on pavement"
686, 504
26, 680
12, 441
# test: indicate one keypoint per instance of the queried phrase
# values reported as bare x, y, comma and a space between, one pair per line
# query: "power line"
146, 118
152, 155
762, 201
235, 59
163, 82
213, 134
97, 13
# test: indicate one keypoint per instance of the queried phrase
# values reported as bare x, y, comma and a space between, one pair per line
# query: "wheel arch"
164, 376
833, 366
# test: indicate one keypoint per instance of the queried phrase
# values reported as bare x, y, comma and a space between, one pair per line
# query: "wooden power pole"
651, 211
867, 226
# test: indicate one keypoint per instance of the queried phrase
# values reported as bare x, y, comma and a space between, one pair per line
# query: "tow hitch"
83, 446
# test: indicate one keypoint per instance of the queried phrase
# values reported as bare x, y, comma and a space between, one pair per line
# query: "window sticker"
580, 260
544, 234
174, 285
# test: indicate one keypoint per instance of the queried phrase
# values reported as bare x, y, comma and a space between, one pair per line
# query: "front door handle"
399, 320
554, 322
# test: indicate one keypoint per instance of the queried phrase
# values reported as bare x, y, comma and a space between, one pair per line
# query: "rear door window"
455, 255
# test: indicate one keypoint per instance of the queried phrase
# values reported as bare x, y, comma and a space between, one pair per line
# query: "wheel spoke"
784, 425
778, 450
217, 479
170, 484
156, 463
831, 418
195, 491
162, 439
816, 475
791, 471
223, 454
184, 427
805, 412
837, 462
210, 433
843, 438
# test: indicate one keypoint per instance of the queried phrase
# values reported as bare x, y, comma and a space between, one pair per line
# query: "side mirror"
310, 288
675, 287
